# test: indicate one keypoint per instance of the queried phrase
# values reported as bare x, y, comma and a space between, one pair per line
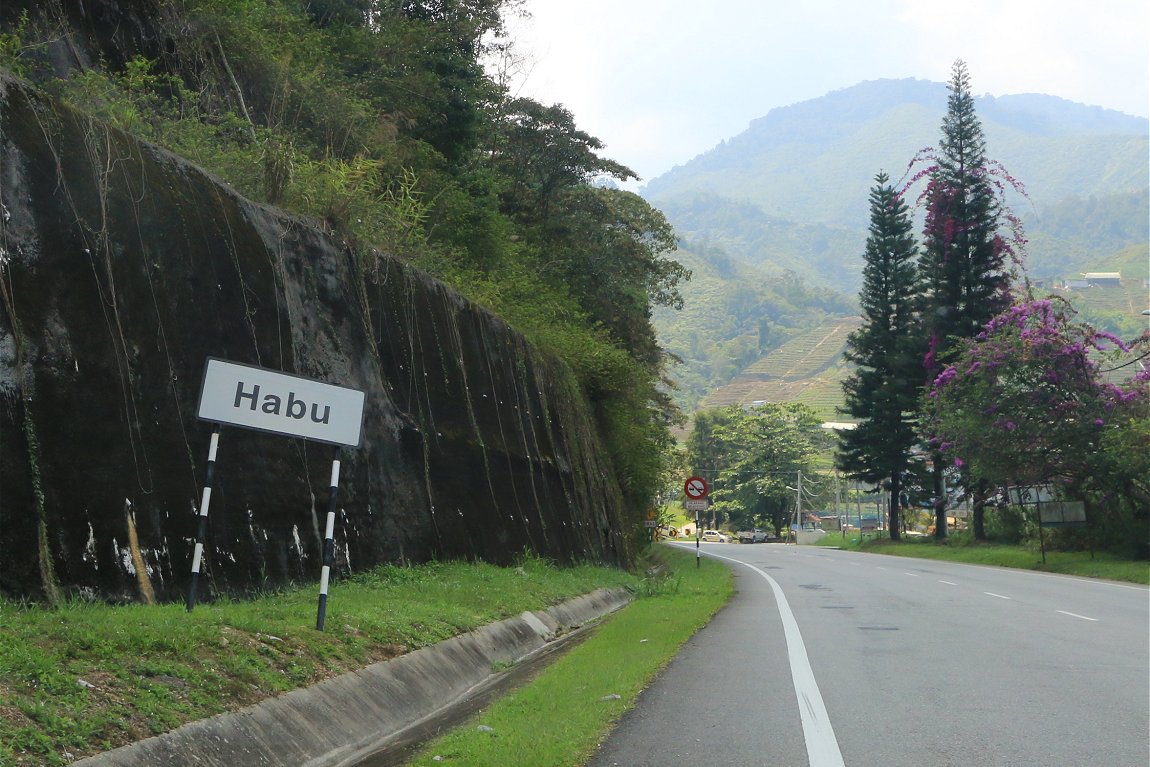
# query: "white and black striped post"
202, 531
698, 535
328, 543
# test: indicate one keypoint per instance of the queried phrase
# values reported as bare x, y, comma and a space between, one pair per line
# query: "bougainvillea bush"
1025, 402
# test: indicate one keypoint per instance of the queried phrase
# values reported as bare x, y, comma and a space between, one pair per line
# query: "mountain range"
773, 221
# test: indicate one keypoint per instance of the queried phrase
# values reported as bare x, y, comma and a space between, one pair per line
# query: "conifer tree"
964, 261
883, 391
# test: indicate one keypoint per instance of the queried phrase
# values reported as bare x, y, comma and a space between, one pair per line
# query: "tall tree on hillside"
965, 261
606, 246
883, 392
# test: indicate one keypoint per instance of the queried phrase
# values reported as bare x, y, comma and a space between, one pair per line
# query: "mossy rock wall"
123, 269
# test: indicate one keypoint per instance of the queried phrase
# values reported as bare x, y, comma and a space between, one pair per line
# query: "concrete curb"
341, 720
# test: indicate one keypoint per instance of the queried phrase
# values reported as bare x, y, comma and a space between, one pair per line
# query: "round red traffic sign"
695, 487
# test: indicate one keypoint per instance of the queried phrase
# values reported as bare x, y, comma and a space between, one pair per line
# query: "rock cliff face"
123, 268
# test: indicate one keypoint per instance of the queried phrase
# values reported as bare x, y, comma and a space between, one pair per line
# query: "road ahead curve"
913, 663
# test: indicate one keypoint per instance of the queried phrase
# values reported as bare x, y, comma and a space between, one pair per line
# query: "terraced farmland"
1129, 298
1126, 300
808, 368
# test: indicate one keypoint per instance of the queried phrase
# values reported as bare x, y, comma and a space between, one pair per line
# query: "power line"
1126, 364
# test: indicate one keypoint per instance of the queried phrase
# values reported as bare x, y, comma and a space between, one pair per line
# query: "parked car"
753, 536
714, 536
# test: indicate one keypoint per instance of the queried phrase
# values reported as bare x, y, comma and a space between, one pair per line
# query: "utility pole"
838, 506
797, 520
858, 505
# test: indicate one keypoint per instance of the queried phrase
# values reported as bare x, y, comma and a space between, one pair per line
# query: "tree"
541, 152
883, 392
1123, 466
607, 246
604, 246
752, 455
965, 259
1024, 402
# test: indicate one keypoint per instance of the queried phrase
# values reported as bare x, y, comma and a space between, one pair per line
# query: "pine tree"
883, 392
964, 259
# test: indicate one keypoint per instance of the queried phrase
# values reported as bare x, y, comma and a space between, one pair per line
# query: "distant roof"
1103, 275
844, 425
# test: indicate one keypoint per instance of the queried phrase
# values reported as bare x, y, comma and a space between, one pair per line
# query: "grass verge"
86, 678
963, 548
559, 719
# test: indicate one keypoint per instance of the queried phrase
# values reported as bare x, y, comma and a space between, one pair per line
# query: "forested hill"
791, 190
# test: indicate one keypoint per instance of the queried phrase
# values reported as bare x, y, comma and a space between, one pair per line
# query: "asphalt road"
828, 658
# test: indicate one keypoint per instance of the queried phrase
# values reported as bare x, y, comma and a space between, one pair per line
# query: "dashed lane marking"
1076, 615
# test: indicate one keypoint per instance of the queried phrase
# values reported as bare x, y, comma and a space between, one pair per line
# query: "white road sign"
281, 403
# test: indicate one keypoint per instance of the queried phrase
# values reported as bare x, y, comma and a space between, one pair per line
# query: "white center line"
822, 746
992, 594
948, 583
1076, 615
912, 575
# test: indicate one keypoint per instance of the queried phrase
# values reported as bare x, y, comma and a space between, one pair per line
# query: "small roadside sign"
696, 504
695, 487
1062, 514
281, 403
1031, 494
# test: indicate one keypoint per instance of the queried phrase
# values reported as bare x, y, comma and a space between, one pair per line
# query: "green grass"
559, 719
963, 548
85, 678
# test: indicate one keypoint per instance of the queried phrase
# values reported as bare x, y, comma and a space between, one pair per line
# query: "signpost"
1051, 513
696, 489
279, 403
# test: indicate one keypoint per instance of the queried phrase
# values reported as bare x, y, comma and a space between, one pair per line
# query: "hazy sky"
661, 81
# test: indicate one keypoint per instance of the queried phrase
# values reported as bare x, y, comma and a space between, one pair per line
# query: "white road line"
1118, 585
880, 567
992, 594
948, 583
912, 575
822, 746
1076, 615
